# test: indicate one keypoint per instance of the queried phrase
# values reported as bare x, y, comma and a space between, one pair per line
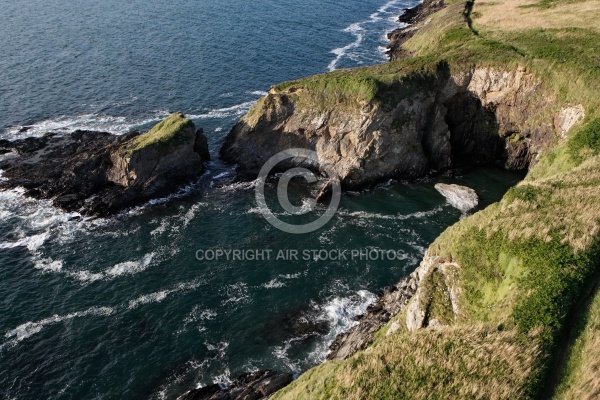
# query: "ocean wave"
94, 122
200, 314
124, 268
226, 112
32, 242
157, 297
273, 284
399, 217
258, 93
49, 265
339, 313
383, 20
28, 329
235, 293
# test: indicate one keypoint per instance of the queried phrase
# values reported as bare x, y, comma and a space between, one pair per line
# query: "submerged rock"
460, 197
250, 386
98, 173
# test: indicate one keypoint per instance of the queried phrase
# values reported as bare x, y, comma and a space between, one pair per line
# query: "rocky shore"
250, 386
388, 304
100, 174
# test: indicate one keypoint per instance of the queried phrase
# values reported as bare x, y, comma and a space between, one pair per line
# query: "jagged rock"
567, 118
97, 173
249, 386
460, 197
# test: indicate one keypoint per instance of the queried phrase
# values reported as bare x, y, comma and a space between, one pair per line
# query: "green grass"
162, 134
580, 378
450, 363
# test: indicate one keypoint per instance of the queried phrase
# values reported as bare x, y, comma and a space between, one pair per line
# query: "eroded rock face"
480, 116
88, 172
136, 163
460, 197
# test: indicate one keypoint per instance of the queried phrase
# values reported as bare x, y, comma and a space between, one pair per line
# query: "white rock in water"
460, 197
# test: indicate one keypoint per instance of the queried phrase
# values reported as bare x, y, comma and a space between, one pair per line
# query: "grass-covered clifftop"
166, 133
528, 266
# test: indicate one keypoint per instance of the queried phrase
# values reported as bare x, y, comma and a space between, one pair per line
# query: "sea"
147, 305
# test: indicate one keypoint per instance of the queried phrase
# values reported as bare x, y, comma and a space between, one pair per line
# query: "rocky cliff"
97, 173
479, 115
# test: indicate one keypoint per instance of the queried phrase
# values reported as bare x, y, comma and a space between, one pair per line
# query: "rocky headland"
100, 174
511, 84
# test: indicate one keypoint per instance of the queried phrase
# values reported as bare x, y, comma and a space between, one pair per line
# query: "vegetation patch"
165, 133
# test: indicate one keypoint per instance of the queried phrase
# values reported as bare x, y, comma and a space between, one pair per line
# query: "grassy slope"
524, 262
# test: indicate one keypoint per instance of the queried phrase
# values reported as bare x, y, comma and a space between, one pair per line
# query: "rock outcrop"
97, 173
476, 116
460, 197
429, 296
250, 386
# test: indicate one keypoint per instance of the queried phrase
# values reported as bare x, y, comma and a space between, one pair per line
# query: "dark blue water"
122, 308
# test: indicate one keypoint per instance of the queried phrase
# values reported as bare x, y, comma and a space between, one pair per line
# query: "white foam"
399, 217
199, 314
340, 52
157, 297
240, 185
222, 175
29, 329
32, 243
293, 276
65, 124
236, 293
164, 224
49, 265
273, 284
341, 313
124, 268
226, 112
259, 93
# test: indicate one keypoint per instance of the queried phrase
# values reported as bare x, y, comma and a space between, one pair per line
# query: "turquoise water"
122, 308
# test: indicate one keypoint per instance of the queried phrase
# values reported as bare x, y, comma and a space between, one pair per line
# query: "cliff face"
479, 116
